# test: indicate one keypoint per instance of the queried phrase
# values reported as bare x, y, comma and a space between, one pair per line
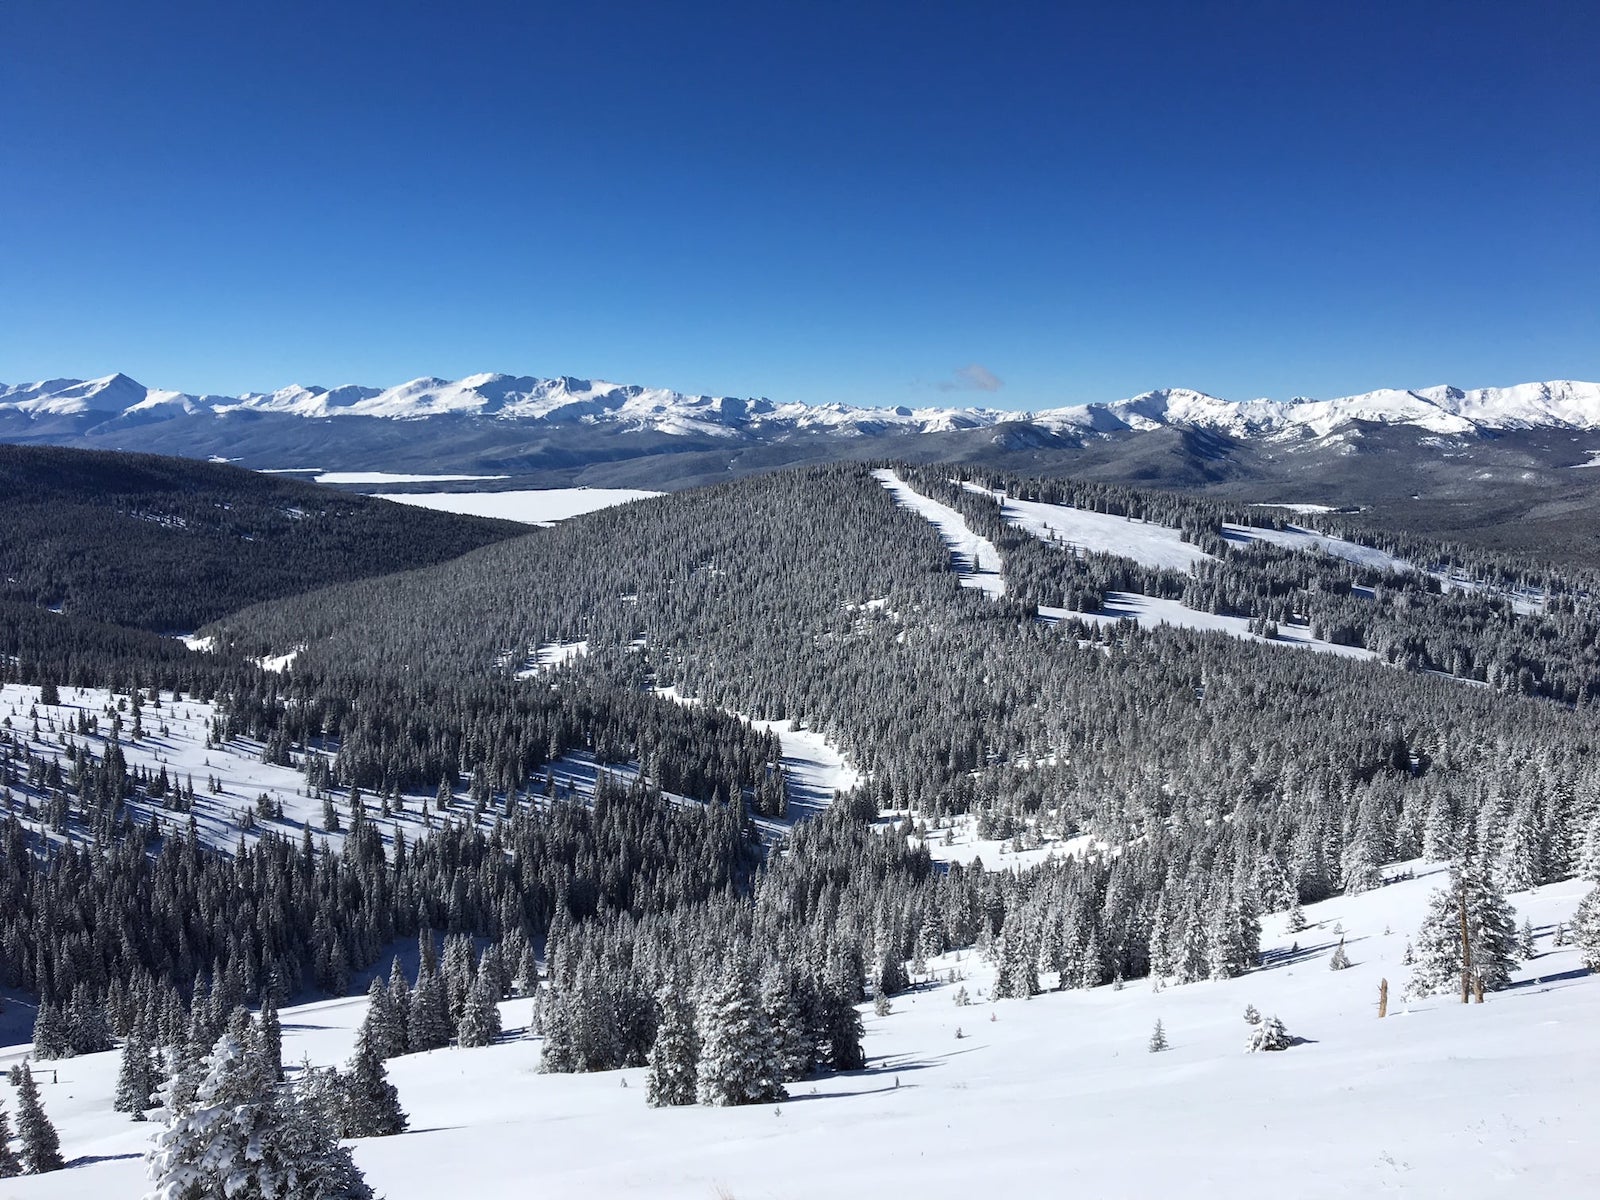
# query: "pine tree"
9, 1163
381, 1025
136, 1078
1491, 936
1340, 960
1585, 930
1297, 922
41, 1146
480, 1015
428, 1023
739, 1057
1269, 1035
1158, 1038
240, 1136
675, 1057
371, 1103
269, 1038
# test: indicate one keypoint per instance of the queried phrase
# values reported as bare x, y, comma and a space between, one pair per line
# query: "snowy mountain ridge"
118, 401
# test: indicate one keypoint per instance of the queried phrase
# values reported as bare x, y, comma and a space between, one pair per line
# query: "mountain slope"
168, 544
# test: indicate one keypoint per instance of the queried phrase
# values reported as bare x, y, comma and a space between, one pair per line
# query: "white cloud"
973, 377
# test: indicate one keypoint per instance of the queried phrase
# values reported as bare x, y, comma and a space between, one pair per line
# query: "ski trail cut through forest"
814, 768
975, 558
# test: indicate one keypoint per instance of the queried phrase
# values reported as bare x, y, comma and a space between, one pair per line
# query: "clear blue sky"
822, 201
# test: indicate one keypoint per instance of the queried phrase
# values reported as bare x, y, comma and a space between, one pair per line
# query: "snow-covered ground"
1311, 542
379, 478
1150, 545
1052, 1096
977, 561
552, 655
542, 506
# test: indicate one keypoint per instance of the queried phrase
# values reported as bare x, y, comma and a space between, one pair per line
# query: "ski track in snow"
1475, 1102
977, 561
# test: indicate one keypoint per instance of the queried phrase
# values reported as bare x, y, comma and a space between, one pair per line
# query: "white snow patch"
552, 655
542, 506
385, 477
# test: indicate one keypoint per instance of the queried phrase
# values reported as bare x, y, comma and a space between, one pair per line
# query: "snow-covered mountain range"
118, 402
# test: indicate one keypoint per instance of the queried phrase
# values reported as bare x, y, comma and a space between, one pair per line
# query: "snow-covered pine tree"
480, 1014
1018, 977
675, 1057
1589, 850
136, 1078
41, 1146
371, 1103
1491, 936
428, 1022
557, 1055
1297, 922
1525, 939
1158, 1038
381, 1027
1339, 960
1270, 1034
1585, 929
241, 1136
739, 1056
10, 1164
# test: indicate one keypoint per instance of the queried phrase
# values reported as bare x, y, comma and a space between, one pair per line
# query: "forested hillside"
167, 544
1202, 777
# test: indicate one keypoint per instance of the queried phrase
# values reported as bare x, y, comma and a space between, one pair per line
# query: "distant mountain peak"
117, 400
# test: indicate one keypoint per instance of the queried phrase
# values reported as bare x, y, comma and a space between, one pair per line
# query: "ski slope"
1150, 545
1152, 611
1052, 1096
976, 560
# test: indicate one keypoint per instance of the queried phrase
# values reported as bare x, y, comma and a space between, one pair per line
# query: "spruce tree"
1491, 936
1585, 930
480, 1014
675, 1057
9, 1163
269, 1037
371, 1103
136, 1078
41, 1146
1270, 1034
1158, 1038
739, 1057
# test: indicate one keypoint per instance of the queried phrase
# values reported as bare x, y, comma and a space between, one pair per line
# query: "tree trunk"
1383, 998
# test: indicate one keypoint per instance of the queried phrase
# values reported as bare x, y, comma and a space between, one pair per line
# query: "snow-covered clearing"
1150, 545
1055, 1095
385, 477
543, 506
1305, 510
976, 560
956, 840
552, 655
1151, 611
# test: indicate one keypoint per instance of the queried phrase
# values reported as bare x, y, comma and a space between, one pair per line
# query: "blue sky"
1009, 204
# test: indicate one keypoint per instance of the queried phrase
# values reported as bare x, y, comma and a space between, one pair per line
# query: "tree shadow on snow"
1290, 957
89, 1160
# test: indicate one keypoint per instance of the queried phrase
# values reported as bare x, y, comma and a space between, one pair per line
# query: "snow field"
1151, 611
543, 506
1055, 1095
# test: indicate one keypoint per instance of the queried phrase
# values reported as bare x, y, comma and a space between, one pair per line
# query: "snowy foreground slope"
1052, 1096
